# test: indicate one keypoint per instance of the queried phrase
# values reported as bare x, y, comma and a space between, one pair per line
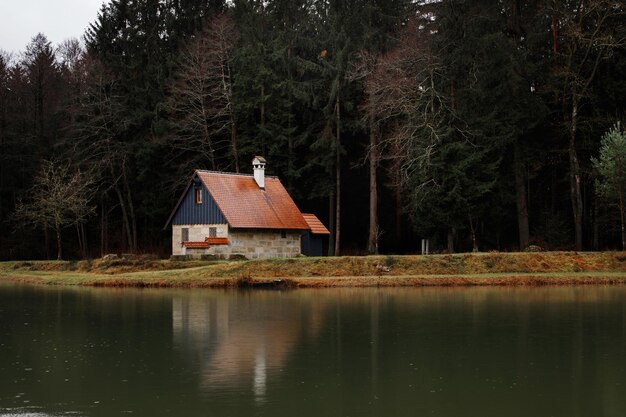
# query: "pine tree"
43, 77
611, 168
490, 83
4, 125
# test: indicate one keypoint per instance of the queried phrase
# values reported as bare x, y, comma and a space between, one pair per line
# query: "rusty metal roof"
196, 245
216, 240
315, 225
245, 205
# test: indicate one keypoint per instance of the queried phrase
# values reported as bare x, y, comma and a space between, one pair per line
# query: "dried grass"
546, 268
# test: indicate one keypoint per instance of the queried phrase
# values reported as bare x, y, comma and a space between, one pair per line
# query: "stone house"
226, 214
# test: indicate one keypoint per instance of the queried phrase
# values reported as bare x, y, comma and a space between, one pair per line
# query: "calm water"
398, 352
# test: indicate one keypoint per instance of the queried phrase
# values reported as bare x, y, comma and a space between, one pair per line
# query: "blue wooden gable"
189, 212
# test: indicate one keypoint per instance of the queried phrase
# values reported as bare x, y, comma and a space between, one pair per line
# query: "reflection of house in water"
242, 338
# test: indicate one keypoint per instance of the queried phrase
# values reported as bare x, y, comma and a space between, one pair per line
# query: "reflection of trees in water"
370, 352
344, 345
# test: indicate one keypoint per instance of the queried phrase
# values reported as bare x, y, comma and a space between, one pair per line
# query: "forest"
479, 125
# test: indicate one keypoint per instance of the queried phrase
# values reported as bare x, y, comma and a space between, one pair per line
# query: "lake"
558, 351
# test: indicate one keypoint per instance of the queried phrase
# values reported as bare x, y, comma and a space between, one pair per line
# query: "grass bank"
544, 268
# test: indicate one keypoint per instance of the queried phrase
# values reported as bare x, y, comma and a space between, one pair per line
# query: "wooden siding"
191, 213
311, 245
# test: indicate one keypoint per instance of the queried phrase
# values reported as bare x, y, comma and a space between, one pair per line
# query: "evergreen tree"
255, 78
490, 81
473, 115
42, 75
611, 168
4, 125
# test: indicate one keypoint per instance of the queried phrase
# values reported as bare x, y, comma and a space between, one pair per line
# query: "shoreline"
469, 269
512, 280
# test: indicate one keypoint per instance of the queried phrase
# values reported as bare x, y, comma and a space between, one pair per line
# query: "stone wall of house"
260, 244
251, 243
197, 233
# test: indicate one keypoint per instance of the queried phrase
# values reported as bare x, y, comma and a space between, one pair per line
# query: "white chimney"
258, 166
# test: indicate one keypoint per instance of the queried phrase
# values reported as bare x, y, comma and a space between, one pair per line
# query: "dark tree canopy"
469, 123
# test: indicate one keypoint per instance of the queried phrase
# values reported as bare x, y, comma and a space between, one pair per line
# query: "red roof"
315, 225
208, 242
216, 240
196, 245
245, 205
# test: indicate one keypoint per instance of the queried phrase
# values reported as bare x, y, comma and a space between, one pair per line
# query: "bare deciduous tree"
201, 96
403, 111
60, 197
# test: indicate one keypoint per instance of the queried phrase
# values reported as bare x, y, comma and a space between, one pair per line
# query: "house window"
198, 195
283, 234
184, 234
212, 231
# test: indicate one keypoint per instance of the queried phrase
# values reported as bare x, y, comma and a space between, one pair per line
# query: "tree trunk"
207, 139
3, 123
338, 184
102, 229
132, 218
621, 217
553, 193
555, 38
290, 160
46, 241
331, 223
521, 200
290, 155
473, 234
59, 246
398, 215
233, 124
575, 179
396, 181
80, 241
233, 143
596, 227
451, 233
1, 176
83, 236
126, 224
372, 245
